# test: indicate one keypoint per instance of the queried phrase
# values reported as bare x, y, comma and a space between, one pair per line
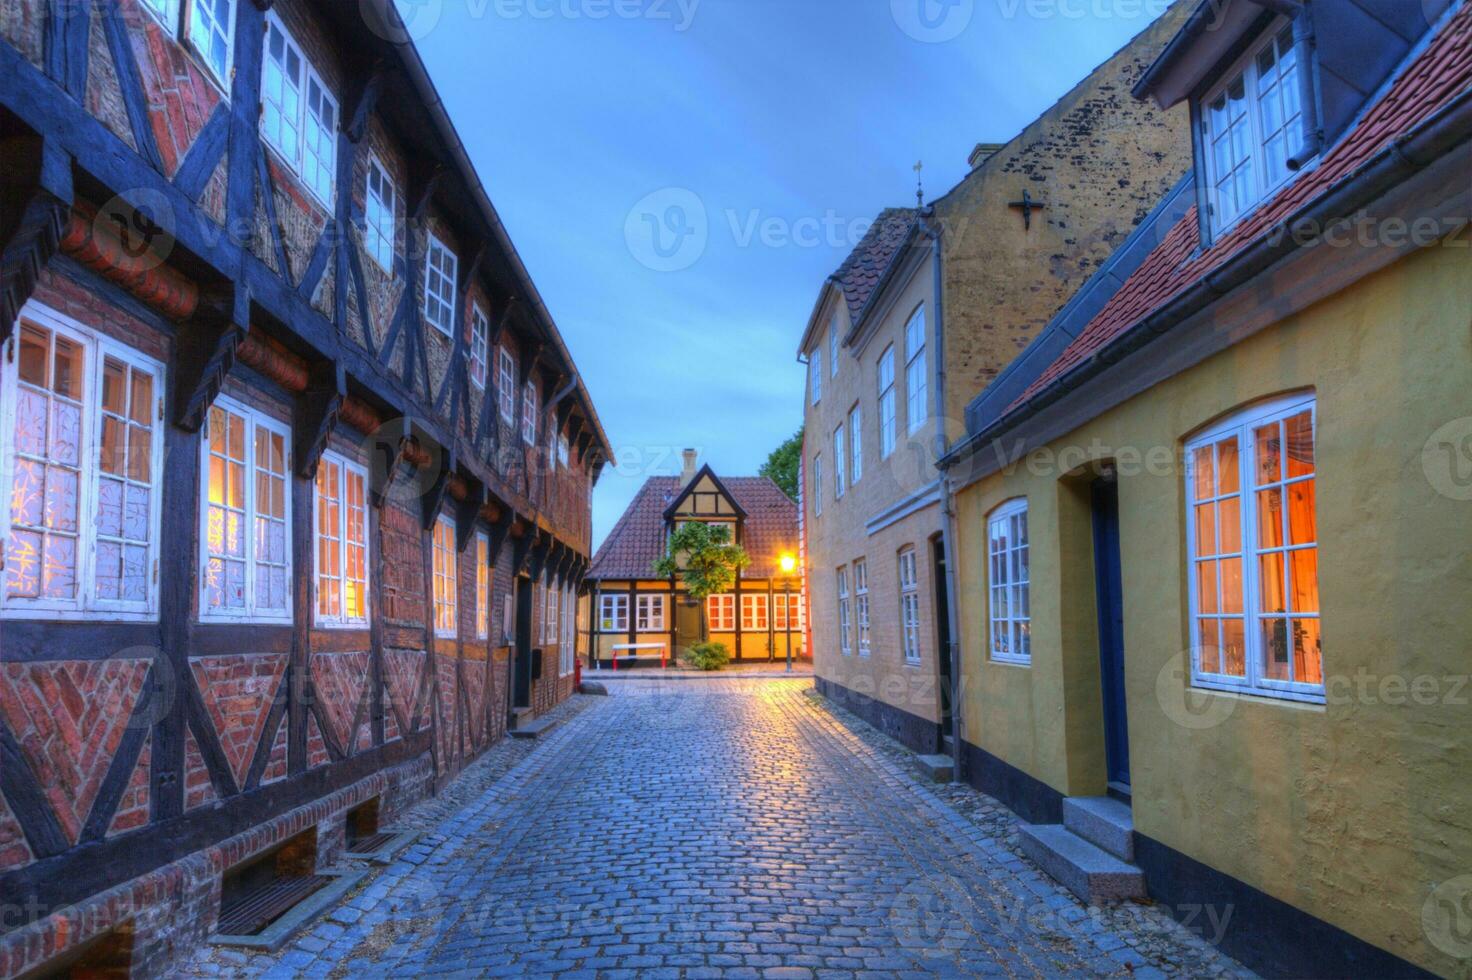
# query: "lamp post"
788, 563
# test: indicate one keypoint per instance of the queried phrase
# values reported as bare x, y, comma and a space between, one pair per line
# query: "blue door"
1110, 604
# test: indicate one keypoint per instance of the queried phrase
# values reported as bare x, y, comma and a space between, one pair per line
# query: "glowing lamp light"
788, 564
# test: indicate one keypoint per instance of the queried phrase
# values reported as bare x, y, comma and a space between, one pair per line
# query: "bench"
633, 648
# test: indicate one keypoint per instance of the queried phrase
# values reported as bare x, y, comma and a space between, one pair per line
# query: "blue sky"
787, 123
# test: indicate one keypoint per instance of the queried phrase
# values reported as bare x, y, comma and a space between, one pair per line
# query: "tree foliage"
782, 465
705, 559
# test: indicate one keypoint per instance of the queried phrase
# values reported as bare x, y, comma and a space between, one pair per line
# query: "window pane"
1308, 654
1270, 578
1234, 647
1206, 529
1209, 653
1269, 454
1302, 524
1230, 572
1229, 467
1270, 518
1275, 656
1204, 473
1304, 566
1206, 594
1300, 434
1229, 513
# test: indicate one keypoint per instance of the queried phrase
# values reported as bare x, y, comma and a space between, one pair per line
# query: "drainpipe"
947, 500
1304, 43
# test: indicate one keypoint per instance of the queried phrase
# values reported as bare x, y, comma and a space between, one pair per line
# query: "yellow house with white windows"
1212, 549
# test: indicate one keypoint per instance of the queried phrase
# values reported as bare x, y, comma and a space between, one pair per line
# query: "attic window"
1252, 124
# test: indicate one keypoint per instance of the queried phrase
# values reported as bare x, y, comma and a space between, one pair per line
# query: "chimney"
688, 474
983, 153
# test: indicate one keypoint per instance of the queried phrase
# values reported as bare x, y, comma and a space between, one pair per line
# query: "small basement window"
263, 889
109, 955
364, 837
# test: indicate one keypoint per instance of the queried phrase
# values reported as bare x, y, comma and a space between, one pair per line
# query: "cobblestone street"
724, 827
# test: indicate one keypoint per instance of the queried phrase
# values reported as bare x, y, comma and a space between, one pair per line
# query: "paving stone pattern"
731, 827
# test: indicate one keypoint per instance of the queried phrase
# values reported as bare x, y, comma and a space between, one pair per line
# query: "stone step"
1089, 872
521, 716
939, 767
1102, 821
532, 729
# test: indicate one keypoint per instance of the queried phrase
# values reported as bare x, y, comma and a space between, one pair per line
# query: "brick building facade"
299, 465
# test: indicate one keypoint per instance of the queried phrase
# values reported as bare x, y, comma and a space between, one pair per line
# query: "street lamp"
788, 564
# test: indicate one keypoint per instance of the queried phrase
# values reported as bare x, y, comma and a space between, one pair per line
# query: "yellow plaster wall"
1354, 810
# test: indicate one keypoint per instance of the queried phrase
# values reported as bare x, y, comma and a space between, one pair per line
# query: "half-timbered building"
298, 465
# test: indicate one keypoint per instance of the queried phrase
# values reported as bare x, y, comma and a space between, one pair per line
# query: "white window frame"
650, 614
613, 612
888, 423
855, 445
1245, 70
720, 612
253, 419
506, 386
787, 612
861, 605
479, 353
816, 374
1009, 577
568, 654
909, 577
96, 348
1242, 424
845, 640
833, 335
219, 73
439, 285
482, 586
755, 612
564, 450
347, 470
446, 607
818, 485
306, 116
529, 412
380, 214
166, 12
917, 380
840, 464
550, 614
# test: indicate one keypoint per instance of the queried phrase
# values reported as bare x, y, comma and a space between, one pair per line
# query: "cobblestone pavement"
731, 827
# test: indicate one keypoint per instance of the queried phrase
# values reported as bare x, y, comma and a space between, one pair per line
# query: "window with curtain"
482, 586
246, 514
445, 578
1252, 538
342, 542
81, 448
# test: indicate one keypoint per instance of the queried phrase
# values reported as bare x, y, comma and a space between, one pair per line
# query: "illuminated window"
788, 612
81, 450
211, 32
506, 387
886, 403
845, 645
910, 606
650, 614
445, 590
720, 610
1254, 559
342, 542
247, 558
380, 215
298, 114
861, 604
529, 413
613, 613
754, 612
482, 586
440, 269
1010, 596
917, 381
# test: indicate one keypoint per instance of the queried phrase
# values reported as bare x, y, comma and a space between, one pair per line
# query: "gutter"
434, 105
1446, 130
947, 496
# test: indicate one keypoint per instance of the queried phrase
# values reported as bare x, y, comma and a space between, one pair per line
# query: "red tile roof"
865, 265
637, 540
1439, 73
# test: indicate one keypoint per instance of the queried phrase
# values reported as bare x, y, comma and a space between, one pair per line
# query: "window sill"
341, 625
1011, 661
1266, 695
77, 616
244, 621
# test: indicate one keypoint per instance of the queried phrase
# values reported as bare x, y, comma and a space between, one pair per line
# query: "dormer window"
1251, 125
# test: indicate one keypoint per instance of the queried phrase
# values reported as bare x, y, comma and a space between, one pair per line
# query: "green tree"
781, 466
706, 561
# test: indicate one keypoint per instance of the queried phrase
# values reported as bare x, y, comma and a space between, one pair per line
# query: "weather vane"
919, 186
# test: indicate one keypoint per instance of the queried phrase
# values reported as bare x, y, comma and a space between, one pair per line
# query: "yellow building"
1213, 548
644, 620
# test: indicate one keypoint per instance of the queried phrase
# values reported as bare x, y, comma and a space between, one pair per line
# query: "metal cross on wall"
1027, 206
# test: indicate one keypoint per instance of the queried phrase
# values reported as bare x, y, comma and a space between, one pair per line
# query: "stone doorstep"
533, 729
274, 936
1088, 871
939, 768
521, 716
1103, 821
389, 851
